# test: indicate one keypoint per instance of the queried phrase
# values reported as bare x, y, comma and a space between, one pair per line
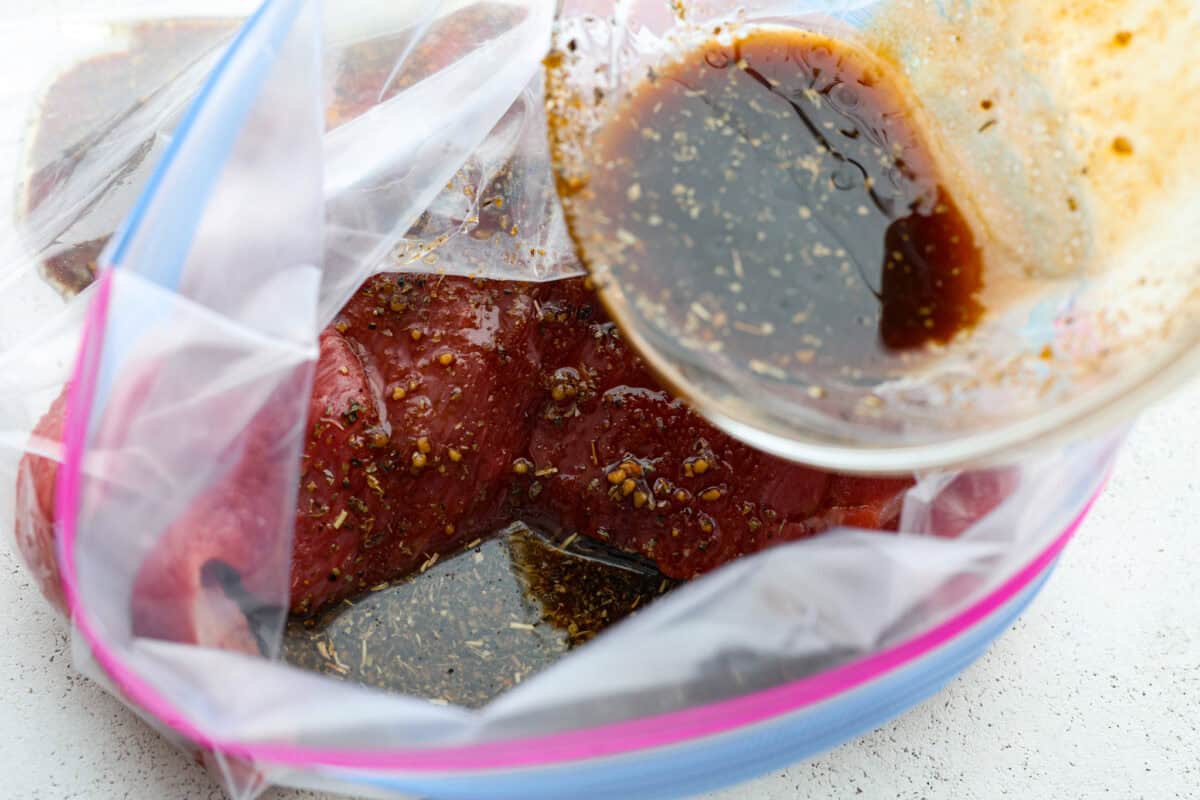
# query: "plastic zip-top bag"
181, 497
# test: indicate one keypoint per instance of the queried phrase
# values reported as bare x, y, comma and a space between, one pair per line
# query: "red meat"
423, 400
444, 408
35, 507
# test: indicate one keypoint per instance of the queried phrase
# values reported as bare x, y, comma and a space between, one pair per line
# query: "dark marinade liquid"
776, 196
476, 624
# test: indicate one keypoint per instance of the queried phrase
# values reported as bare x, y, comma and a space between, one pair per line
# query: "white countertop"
1094, 693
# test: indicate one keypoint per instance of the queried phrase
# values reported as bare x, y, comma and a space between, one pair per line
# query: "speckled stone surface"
1095, 693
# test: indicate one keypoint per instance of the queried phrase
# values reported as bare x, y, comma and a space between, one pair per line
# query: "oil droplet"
845, 96
717, 59
846, 177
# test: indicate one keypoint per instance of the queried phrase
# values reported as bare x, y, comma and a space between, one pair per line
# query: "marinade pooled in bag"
470, 626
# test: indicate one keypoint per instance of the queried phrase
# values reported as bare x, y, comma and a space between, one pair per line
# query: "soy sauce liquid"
775, 196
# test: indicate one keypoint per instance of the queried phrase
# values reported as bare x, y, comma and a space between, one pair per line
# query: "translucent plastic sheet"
192, 390
119, 81
451, 174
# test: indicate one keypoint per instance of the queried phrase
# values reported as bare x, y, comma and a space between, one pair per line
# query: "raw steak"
444, 408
